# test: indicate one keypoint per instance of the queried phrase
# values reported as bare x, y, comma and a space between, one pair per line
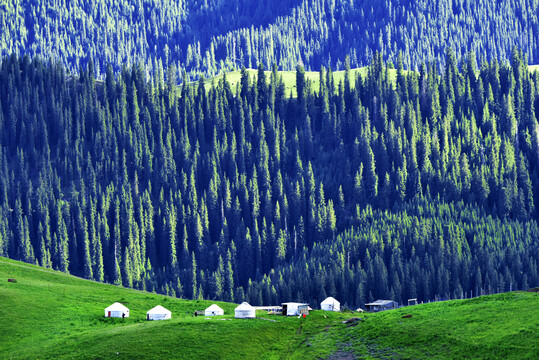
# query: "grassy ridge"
50, 315
289, 78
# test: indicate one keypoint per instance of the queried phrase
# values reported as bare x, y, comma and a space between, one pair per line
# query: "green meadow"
51, 315
502, 326
289, 78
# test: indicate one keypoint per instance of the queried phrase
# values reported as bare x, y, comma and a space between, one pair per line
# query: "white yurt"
158, 313
214, 310
245, 311
330, 304
117, 310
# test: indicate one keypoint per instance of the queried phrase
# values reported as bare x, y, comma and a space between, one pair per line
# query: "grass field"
502, 326
289, 78
50, 315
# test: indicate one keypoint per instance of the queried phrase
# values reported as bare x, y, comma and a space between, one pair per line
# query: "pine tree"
193, 277
87, 262
229, 278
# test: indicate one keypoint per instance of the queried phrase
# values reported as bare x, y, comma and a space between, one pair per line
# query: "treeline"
214, 35
425, 250
194, 193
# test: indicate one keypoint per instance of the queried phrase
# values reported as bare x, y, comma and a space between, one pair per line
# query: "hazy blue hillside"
207, 36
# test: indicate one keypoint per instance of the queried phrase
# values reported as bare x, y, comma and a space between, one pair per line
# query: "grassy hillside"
51, 315
289, 78
504, 326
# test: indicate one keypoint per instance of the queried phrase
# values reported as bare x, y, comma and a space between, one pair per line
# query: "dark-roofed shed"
381, 305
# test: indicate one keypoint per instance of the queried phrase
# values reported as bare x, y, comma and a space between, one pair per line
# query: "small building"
214, 310
117, 310
158, 313
294, 309
381, 305
330, 304
244, 311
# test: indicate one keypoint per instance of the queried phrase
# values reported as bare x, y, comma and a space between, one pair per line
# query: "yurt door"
109, 314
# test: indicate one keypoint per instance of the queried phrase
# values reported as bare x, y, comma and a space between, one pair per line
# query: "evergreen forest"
423, 185
213, 35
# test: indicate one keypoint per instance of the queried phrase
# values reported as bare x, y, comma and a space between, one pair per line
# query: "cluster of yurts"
243, 311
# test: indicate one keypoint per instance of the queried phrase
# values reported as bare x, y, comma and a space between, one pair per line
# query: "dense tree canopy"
212, 35
423, 184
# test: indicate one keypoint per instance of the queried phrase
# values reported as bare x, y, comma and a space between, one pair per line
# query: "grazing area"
50, 315
289, 78
502, 326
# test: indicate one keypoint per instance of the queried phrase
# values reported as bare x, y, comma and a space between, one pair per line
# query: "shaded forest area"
214, 35
425, 186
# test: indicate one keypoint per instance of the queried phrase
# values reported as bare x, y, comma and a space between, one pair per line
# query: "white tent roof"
158, 310
293, 303
244, 306
214, 307
117, 307
380, 303
330, 300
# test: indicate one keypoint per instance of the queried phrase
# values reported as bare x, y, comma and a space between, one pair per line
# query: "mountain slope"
211, 35
421, 186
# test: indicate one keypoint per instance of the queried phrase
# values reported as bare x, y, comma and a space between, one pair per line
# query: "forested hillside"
212, 35
424, 186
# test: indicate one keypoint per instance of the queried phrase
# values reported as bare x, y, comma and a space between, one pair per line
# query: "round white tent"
117, 310
214, 310
245, 311
158, 313
330, 304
